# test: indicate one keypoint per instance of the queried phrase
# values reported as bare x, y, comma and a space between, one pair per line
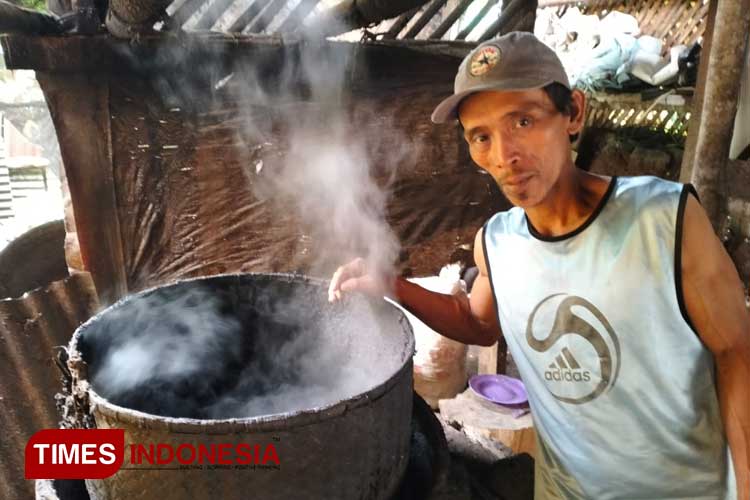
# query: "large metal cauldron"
350, 445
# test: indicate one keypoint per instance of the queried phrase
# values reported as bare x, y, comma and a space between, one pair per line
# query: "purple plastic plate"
499, 389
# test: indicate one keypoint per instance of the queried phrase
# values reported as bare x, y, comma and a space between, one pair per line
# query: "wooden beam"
350, 14
79, 105
450, 48
477, 19
425, 18
374, 11
212, 14
186, 11
688, 156
400, 23
298, 16
718, 107
494, 359
247, 16
102, 53
15, 19
450, 20
508, 12
266, 16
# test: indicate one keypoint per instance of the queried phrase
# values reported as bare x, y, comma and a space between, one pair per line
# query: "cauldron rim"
265, 423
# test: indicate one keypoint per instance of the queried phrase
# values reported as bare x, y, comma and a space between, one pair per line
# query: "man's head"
513, 99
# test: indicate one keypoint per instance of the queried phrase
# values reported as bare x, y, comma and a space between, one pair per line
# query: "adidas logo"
566, 368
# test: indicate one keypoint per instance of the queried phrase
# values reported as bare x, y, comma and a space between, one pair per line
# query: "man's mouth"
516, 181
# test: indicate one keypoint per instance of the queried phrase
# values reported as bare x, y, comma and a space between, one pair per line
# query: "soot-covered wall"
165, 145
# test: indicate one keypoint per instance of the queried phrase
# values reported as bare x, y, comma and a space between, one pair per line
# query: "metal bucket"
354, 446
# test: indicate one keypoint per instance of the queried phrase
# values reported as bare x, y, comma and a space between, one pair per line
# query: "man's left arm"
715, 303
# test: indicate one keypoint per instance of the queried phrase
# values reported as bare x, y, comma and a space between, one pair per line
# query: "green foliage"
34, 4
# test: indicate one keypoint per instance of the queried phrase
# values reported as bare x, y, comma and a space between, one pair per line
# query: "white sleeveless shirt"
621, 388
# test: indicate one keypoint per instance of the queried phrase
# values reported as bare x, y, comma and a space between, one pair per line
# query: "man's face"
520, 139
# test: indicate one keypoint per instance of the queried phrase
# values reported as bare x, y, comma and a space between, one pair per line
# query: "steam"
206, 352
325, 176
211, 351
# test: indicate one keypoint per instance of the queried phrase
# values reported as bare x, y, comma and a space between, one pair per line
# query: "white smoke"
325, 175
162, 338
208, 350
185, 354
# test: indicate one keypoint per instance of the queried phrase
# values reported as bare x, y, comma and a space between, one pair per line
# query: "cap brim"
447, 110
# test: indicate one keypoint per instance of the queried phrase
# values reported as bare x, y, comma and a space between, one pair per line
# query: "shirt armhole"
489, 268
687, 190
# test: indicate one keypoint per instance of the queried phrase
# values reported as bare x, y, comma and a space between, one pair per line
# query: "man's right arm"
469, 320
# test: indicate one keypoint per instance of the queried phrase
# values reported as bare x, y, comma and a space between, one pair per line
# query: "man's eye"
480, 138
523, 122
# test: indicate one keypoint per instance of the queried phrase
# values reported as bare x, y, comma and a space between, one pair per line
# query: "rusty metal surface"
30, 328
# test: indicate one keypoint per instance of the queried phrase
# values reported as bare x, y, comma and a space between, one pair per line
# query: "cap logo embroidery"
484, 60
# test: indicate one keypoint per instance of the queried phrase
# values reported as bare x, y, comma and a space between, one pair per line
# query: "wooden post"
15, 19
493, 359
715, 106
79, 105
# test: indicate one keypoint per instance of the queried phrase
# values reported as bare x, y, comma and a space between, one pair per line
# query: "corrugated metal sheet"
30, 328
243, 16
433, 20
6, 197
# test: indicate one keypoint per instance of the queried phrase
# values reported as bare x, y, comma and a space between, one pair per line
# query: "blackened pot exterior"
356, 448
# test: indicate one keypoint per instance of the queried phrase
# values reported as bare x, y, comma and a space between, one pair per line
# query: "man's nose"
505, 152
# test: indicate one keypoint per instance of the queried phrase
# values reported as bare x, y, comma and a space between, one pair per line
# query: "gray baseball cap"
515, 61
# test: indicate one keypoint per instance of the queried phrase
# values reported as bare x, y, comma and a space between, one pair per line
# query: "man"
619, 305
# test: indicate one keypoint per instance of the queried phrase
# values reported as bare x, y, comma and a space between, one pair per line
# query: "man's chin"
519, 199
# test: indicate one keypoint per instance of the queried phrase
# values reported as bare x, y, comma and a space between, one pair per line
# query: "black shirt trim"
679, 223
489, 273
536, 234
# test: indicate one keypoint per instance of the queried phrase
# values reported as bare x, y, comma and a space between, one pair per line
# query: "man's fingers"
333, 287
346, 278
352, 284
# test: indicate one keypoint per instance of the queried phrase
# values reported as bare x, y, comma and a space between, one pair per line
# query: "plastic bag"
439, 362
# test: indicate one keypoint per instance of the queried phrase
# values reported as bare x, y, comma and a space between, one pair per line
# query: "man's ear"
577, 112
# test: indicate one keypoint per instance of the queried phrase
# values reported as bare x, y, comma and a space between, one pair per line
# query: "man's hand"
471, 321
355, 276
